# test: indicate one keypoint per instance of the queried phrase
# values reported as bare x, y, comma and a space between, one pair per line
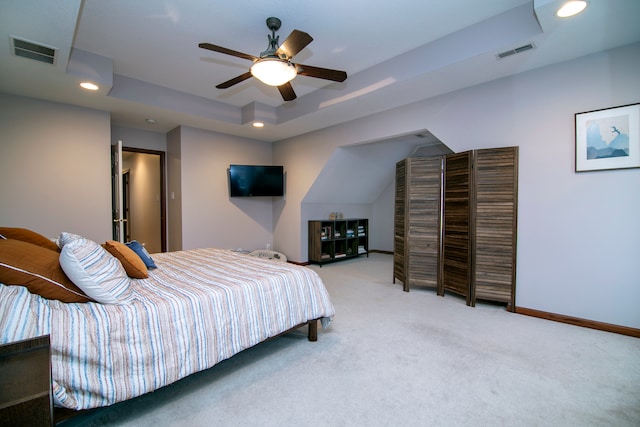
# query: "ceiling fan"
274, 67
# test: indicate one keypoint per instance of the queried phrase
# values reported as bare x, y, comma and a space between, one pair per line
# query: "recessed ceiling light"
89, 86
151, 121
258, 124
571, 8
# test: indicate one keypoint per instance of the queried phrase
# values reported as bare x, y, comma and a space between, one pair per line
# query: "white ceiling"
145, 54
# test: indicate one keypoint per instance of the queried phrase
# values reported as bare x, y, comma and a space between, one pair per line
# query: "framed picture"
608, 139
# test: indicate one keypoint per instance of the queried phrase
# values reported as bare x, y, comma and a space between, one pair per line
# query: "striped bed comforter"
196, 309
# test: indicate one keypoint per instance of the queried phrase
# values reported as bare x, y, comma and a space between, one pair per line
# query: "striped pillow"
94, 270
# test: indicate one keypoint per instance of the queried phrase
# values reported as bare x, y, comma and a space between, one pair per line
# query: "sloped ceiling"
359, 174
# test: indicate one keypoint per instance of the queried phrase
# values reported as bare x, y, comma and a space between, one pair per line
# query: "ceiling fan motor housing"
273, 23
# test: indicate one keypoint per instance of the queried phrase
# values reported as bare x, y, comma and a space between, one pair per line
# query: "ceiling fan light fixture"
273, 71
571, 8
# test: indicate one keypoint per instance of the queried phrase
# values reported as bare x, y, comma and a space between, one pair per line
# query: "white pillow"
94, 270
66, 238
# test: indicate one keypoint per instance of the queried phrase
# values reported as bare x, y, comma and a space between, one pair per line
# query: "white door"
116, 191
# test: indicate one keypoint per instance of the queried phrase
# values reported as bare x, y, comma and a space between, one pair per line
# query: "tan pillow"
131, 262
29, 236
37, 268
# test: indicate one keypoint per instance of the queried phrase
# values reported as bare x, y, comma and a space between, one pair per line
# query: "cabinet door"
457, 233
496, 181
424, 181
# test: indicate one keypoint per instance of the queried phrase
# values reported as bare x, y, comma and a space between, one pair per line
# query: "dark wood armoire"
474, 225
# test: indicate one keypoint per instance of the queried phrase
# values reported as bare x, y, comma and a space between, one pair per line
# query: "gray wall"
136, 138
577, 233
54, 168
209, 216
174, 190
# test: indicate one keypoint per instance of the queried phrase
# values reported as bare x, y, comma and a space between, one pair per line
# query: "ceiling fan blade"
235, 80
321, 73
286, 90
224, 50
296, 41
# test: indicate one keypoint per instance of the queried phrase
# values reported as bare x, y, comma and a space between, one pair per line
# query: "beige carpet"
392, 358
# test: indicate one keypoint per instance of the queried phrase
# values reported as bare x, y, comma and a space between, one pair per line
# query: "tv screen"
256, 181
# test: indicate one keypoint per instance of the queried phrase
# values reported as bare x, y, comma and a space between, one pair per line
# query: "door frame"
116, 191
126, 204
163, 191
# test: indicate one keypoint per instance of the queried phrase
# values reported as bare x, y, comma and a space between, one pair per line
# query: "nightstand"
25, 383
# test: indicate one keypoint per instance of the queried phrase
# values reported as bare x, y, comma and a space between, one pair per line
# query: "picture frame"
608, 139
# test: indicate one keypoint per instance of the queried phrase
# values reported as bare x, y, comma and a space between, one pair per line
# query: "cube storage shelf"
336, 240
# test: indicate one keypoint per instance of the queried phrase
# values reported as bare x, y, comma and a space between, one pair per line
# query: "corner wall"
174, 191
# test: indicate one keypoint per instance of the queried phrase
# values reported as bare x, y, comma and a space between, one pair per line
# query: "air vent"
35, 51
520, 49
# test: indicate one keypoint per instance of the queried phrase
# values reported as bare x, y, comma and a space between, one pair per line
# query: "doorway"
144, 201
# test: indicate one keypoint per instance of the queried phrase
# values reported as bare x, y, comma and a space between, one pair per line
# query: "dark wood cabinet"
25, 383
476, 228
335, 240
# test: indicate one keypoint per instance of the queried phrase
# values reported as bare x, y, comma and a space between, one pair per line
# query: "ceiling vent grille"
520, 49
35, 51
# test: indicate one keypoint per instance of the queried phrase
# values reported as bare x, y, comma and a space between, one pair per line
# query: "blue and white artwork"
608, 137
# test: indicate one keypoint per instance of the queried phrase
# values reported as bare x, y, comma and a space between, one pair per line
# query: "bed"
197, 308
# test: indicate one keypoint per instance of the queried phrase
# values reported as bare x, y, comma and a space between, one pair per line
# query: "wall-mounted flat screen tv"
256, 181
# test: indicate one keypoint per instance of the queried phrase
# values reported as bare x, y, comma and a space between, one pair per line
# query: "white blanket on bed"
198, 308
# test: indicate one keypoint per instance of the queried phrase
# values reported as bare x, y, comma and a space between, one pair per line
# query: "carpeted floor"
392, 358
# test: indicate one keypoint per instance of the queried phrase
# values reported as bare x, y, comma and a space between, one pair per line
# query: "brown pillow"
131, 262
29, 236
37, 268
